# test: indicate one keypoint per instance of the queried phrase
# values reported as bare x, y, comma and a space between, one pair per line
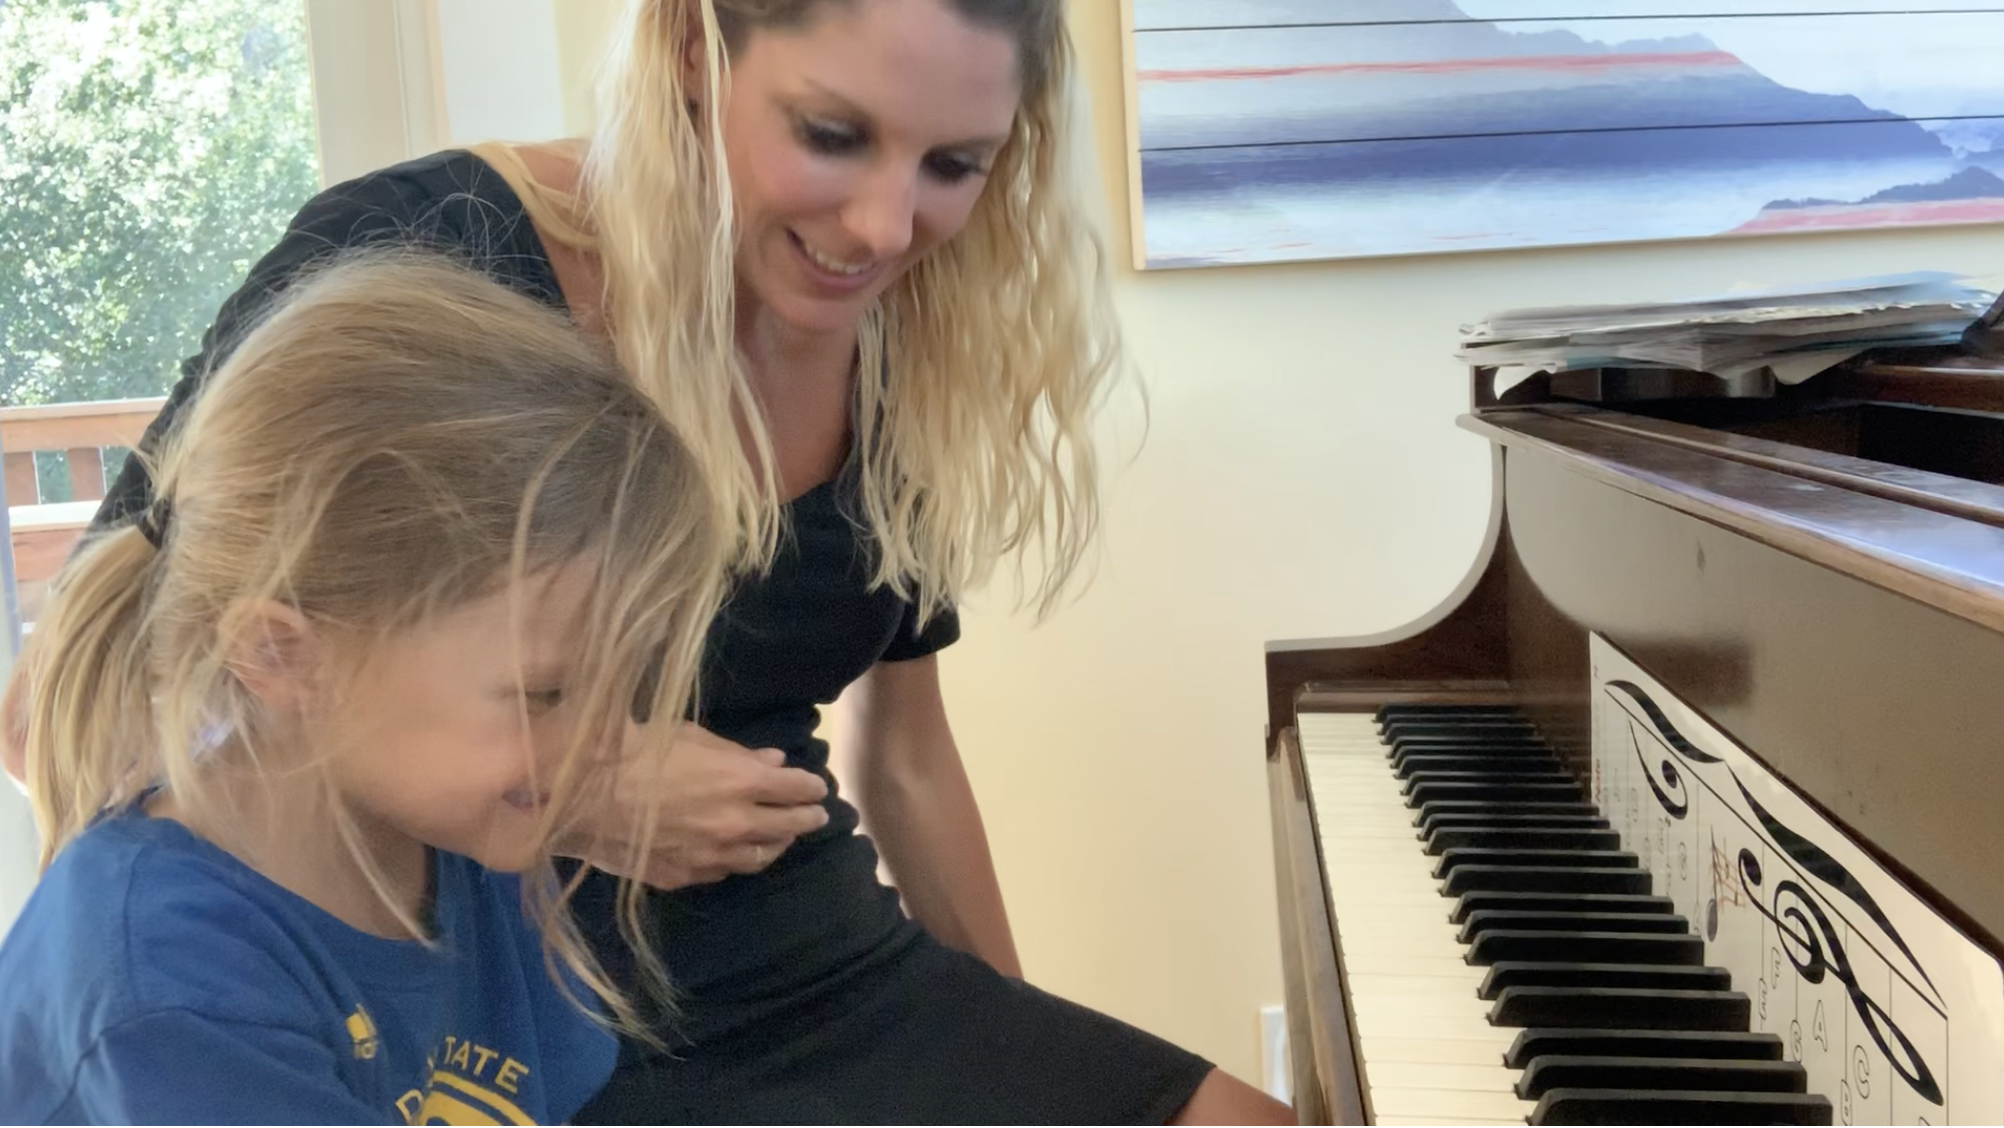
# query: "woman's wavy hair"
981, 369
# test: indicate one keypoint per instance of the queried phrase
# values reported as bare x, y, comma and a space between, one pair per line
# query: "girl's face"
858, 143
427, 741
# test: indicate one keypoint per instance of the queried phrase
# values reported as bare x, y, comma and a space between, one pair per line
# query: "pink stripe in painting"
1841, 216
1562, 63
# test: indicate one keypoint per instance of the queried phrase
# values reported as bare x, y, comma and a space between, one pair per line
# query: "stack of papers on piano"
1793, 332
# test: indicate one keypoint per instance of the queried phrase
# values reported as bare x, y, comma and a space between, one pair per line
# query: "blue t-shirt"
154, 978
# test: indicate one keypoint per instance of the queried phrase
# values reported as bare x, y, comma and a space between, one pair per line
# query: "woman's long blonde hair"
398, 437
980, 369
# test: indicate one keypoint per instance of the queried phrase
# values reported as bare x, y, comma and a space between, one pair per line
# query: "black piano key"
1539, 1041
1566, 1071
1520, 838
1585, 947
1409, 736
1478, 736
1528, 822
1513, 901
1656, 977
1451, 860
1626, 1006
1525, 777
1443, 720
1473, 738
1485, 920
1444, 726
1544, 879
1424, 793
1416, 763
1480, 807
1446, 708
1668, 1106
1502, 753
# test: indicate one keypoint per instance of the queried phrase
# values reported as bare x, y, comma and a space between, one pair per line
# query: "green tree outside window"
150, 151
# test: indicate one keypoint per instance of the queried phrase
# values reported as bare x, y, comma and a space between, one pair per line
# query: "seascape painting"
1287, 130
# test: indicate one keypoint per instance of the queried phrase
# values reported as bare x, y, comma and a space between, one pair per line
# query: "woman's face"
857, 143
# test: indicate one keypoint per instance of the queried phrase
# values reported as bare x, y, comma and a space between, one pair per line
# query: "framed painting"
1284, 130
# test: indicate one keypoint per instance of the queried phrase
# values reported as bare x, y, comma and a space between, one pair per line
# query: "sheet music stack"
1786, 334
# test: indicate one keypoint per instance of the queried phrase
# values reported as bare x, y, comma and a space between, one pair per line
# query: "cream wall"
1302, 477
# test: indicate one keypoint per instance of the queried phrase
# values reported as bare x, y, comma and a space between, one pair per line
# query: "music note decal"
1890, 1008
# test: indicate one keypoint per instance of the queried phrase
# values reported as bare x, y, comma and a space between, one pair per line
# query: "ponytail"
89, 715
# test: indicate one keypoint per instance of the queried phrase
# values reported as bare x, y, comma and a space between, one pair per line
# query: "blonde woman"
837, 243
301, 739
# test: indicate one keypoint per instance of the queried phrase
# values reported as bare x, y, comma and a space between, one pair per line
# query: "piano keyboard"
1504, 959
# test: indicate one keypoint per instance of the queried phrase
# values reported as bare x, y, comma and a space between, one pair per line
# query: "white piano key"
1418, 920
1434, 1006
1459, 988
1370, 832
1471, 1120
1381, 1024
1403, 854
1486, 1050
1384, 862
1435, 1075
1405, 965
1439, 945
1456, 1105
1424, 1038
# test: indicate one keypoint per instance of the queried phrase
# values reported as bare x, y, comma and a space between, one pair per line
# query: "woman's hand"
719, 808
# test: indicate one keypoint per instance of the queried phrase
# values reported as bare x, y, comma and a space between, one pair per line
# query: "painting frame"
1519, 131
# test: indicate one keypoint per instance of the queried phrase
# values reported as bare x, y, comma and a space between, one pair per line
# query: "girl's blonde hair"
980, 368
397, 437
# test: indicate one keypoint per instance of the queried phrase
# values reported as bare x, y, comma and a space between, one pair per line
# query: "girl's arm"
897, 755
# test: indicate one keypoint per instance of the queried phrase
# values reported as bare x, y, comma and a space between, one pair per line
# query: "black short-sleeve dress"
806, 994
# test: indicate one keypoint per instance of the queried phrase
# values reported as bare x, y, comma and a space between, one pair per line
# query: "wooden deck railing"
45, 529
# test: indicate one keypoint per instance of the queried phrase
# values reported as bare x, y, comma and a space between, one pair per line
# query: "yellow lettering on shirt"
453, 1093
511, 1072
446, 1108
461, 1097
362, 1032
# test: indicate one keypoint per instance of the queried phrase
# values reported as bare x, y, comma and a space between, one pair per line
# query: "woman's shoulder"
453, 200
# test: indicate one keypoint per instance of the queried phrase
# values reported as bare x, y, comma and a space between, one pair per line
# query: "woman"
834, 241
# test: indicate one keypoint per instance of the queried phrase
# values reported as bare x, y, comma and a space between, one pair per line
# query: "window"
150, 151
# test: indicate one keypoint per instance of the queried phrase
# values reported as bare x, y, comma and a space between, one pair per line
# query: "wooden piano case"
1819, 573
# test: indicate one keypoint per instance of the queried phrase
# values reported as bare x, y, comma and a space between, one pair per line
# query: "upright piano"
1687, 805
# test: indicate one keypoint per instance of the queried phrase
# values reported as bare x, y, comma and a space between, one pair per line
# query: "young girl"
302, 739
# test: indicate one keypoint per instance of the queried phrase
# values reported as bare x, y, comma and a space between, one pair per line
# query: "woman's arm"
895, 752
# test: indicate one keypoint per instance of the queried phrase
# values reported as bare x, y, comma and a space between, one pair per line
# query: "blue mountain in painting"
1634, 125
1969, 184
1472, 99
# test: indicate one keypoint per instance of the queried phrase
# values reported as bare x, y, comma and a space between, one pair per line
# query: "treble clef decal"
1813, 947
1663, 775
1831, 872
1676, 740
1664, 778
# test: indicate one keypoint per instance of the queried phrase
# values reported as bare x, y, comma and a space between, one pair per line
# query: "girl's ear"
695, 68
690, 57
275, 652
